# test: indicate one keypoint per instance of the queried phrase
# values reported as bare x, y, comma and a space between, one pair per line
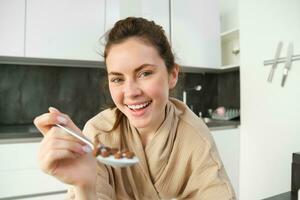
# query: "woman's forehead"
131, 54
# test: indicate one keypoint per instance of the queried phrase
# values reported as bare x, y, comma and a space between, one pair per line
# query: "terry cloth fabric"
180, 162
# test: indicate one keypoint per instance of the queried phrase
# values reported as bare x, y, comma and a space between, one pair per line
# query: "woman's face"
139, 82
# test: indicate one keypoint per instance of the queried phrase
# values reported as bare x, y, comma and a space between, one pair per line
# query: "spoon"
77, 135
124, 162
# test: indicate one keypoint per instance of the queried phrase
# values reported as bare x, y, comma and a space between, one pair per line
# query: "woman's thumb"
53, 110
60, 116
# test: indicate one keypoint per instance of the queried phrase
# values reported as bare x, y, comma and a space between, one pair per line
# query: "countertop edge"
217, 128
21, 140
39, 139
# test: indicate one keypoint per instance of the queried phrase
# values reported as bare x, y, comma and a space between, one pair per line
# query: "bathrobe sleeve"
104, 188
208, 179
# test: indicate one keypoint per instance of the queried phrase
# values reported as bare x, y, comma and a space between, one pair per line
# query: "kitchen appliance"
295, 185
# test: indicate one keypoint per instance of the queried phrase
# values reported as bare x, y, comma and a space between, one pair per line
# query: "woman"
178, 158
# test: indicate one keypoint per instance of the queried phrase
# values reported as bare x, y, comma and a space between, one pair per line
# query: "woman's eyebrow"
115, 73
143, 66
135, 70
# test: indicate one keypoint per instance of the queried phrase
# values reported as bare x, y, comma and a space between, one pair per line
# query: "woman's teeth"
139, 106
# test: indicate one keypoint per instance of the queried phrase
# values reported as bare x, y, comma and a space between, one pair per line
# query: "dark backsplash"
28, 91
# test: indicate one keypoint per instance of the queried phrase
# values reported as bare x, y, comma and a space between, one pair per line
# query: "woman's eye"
144, 74
116, 80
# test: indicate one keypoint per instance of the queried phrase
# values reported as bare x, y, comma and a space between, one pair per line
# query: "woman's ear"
173, 76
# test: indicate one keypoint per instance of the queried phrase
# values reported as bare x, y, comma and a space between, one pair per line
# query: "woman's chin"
140, 124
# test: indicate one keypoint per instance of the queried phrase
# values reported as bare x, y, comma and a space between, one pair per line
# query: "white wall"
270, 128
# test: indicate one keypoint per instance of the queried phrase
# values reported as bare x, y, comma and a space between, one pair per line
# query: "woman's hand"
62, 155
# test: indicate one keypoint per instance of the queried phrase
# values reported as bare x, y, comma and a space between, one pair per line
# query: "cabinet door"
20, 173
228, 144
12, 21
156, 10
64, 29
195, 32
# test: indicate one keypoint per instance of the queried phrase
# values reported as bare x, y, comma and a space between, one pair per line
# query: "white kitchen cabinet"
195, 33
20, 173
12, 23
230, 47
64, 29
229, 15
228, 144
156, 10
49, 197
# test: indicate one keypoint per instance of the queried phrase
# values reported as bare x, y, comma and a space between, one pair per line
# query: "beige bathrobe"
180, 162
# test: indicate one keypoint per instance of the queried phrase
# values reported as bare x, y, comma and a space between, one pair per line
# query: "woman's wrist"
85, 193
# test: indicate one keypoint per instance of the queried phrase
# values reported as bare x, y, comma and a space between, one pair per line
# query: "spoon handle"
77, 135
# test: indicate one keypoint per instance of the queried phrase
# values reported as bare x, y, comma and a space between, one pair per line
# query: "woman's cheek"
115, 95
157, 90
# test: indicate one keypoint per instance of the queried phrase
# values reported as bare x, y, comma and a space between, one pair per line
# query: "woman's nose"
132, 89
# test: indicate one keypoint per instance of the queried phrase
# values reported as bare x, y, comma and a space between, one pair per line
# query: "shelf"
203, 70
230, 48
50, 62
230, 67
230, 35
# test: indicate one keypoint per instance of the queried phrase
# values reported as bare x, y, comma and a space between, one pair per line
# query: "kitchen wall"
27, 91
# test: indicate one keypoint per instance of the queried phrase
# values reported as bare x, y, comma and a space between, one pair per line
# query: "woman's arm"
85, 193
103, 189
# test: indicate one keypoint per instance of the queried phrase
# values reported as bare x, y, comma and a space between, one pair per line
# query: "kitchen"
36, 45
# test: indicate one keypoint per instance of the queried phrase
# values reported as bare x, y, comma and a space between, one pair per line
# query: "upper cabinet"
229, 15
12, 23
72, 30
195, 33
230, 33
156, 10
64, 29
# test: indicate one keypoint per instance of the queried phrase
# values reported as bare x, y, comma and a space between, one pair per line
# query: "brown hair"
147, 31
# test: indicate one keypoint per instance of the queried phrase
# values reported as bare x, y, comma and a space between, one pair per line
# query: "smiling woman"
161, 131
141, 91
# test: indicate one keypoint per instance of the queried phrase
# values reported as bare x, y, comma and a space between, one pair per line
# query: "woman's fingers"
56, 147
50, 160
57, 133
58, 139
61, 144
62, 116
45, 121
53, 110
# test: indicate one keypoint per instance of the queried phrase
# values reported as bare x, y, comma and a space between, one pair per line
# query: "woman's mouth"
140, 106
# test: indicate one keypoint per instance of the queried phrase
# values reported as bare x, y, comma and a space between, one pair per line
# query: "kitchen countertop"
19, 134
29, 133
222, 125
